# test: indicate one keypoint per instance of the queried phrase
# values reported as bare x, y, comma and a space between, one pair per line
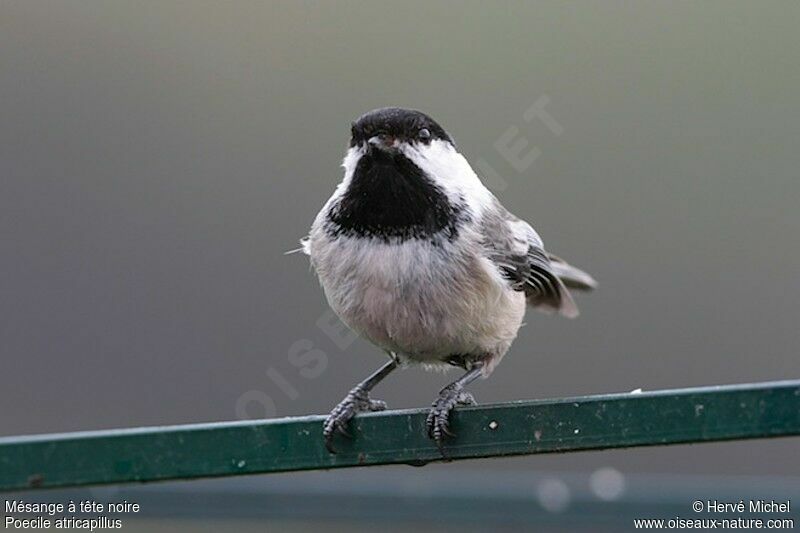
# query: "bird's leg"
356, 401
449, 397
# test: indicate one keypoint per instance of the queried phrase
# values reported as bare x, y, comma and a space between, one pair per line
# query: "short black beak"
384, 141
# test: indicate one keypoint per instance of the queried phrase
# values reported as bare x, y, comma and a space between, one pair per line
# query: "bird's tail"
572, 277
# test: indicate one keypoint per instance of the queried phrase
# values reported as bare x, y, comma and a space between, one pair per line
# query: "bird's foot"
438, 421
356, 401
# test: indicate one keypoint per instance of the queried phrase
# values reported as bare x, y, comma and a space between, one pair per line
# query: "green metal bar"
391, 437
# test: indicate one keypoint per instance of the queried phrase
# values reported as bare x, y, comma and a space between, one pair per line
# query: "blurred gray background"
157, 159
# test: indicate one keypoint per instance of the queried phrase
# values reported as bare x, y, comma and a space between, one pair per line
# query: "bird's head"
389, 128
395, 150
402, 178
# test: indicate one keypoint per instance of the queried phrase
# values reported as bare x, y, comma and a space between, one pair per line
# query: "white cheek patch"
442, 162
349, 164
451, 171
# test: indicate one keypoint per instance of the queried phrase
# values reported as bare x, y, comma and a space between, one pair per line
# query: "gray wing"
517, 250
573, 277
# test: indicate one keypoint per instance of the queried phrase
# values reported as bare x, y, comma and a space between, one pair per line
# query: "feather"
518, 252
573, 277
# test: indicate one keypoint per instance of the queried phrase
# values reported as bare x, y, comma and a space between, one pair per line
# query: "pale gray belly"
420, 302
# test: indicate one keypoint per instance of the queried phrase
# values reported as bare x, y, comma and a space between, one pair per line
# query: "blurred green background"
157, 159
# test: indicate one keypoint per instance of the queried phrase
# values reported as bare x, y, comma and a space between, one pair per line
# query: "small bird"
416, 255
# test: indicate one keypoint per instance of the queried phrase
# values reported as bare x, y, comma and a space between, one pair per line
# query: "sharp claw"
438, 420
342, 430
440, 445
329, 445
357, 400
431, 423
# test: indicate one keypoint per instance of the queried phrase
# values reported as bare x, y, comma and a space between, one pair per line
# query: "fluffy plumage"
416, 255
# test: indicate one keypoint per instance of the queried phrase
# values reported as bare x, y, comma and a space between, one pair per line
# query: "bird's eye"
424, 134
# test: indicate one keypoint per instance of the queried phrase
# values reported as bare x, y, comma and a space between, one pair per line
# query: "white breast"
423, 301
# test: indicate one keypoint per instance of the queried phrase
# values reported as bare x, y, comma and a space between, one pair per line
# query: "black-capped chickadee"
417, 256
